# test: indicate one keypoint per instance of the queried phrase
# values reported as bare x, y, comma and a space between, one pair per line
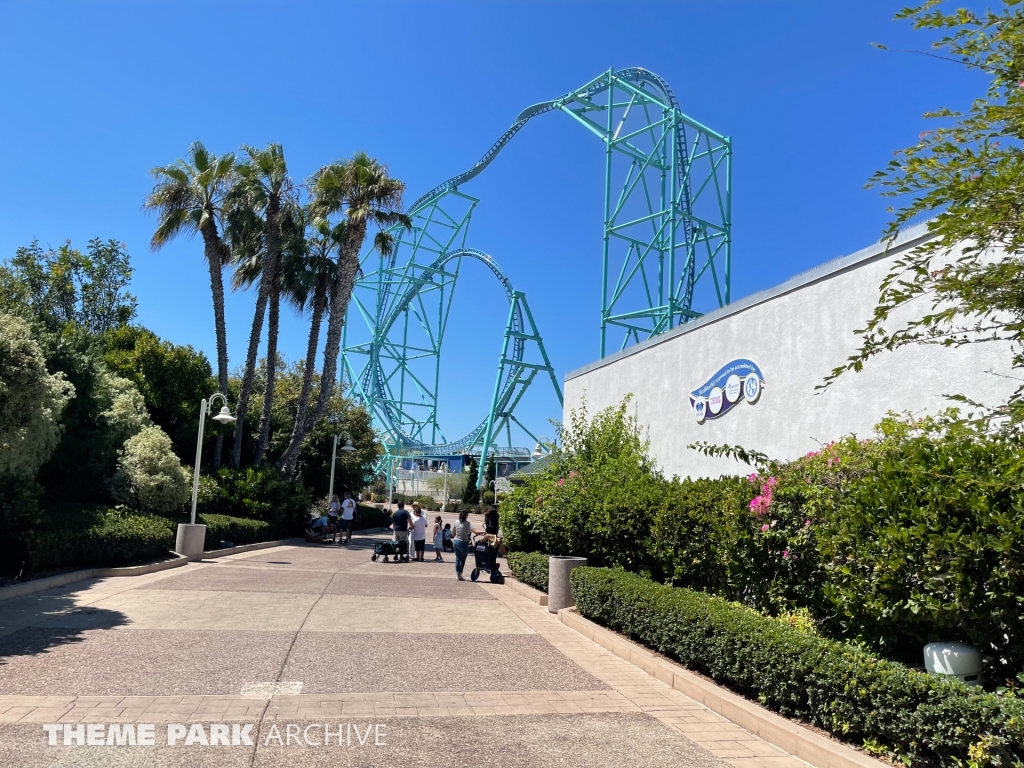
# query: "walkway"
283, 645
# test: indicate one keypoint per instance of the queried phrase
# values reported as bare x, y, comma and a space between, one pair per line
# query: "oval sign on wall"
739, 380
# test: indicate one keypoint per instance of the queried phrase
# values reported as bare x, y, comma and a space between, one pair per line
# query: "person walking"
348, 517
461, 534
438, 539
400, 525
333, 508
418, 524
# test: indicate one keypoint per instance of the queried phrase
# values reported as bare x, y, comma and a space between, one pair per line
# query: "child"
438, 540
446, 538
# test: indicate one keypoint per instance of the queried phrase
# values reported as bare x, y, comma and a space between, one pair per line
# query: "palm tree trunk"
289, 458
348, 267
271, 270
273, 320
250, 369
214, 251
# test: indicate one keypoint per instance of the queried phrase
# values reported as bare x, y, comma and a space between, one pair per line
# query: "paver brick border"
530, 593
63, 579
786, 735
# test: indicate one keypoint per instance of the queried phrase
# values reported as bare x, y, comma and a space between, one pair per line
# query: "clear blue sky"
96, 94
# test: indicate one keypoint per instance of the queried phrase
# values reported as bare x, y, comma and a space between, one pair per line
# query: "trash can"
955, 659
559, 589
190, 540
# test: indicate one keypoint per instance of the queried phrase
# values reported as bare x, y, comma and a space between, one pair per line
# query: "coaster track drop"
667, 231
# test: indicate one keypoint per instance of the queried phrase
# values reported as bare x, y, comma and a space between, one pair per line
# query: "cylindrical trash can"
955, 659
559, 590
190, 540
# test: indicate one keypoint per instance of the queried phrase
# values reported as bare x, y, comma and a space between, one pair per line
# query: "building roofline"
908, 237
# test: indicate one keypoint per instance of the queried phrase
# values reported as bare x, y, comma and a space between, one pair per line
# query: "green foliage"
31, 401
928, 544
352, 470
370, 517
67, 287
149, 476
530, 568
81, 536
965, 175
471, 495
595, 499
918, 719
172, 379
234, 529
258, 494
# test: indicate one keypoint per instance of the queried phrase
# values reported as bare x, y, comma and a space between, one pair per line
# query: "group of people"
411, 528
338, 520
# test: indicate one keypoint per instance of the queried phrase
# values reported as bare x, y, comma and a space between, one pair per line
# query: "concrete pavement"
251, 659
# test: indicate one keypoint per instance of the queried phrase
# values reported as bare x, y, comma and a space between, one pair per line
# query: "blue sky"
96, 94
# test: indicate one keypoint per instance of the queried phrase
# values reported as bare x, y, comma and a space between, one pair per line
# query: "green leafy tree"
31, 401
173, 380
63, 285
149, 476
188, 198
472, 493
966, 174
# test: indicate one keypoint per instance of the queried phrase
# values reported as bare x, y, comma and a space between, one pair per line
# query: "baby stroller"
485, 550
396, 549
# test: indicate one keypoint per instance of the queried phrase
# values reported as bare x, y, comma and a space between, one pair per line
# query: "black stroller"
399, 550
485, 550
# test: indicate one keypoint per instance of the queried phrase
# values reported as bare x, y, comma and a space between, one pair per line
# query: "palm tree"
309, 281
263, 195
362, 191
188, 197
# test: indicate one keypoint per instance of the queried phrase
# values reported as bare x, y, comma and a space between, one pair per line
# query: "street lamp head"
348, 447
538, 451
224, 417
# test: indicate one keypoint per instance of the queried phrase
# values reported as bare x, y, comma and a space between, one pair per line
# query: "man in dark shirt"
400, 524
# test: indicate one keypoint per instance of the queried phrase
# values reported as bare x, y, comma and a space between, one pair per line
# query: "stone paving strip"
710, 730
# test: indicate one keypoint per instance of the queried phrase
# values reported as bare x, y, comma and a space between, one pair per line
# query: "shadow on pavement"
36, 624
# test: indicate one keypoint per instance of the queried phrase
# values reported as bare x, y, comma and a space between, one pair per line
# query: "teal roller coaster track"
667, 235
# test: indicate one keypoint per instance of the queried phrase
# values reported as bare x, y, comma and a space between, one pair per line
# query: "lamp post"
191, 537
347, 448
444, 496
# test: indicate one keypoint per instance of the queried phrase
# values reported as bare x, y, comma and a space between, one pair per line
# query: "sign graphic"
738, 380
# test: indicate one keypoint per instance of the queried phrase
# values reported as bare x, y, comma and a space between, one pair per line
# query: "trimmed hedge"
86, 537
920, 719
530, 568
237, 530
370, 517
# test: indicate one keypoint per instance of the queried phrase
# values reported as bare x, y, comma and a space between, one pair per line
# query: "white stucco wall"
796, 333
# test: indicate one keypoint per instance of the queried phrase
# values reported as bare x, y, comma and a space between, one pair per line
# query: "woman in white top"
419, 531
438, 539
332, 515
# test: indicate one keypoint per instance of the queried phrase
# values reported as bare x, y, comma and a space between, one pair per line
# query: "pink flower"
561, 482
806, 523
1020, 83
752, 477
764, 528
538, 500
812, 454
785, 554
771, 482
572, 474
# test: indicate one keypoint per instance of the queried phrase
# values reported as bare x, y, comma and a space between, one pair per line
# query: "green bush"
234, 529
149, 475
921, 719
78, 537
258, 494
370, 517
428, 503
530, 568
